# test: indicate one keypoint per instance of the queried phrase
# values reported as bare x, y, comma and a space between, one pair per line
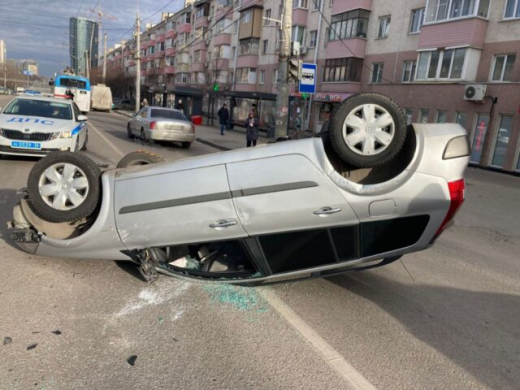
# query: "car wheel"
64, 187
186, 145
367, 130
129, 132
140, 157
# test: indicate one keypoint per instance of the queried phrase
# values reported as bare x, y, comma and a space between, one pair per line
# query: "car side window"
144, 113
77, 111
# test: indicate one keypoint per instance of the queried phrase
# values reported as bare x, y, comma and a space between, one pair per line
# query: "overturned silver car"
369, 190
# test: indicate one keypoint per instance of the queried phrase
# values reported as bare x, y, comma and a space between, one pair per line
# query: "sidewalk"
210, 135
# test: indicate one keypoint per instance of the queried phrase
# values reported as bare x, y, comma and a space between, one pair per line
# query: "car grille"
18, 135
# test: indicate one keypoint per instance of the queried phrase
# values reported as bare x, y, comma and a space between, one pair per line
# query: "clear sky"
39, 29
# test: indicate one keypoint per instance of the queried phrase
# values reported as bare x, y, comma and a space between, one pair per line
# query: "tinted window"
72, 83
39, 108
168, 114
299, 250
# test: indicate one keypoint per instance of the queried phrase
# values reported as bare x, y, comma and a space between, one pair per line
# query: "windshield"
72, 83
39, 108
168, 114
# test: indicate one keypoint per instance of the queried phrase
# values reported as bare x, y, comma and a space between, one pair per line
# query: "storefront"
323, 103
191, 99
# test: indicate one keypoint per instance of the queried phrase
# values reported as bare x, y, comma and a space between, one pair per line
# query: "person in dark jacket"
180, 105
252, 124
223, 114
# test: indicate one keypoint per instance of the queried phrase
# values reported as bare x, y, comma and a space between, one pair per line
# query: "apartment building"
441, 60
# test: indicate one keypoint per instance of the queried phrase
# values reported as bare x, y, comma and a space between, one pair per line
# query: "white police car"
35, 126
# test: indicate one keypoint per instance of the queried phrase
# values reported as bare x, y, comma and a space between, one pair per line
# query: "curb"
213, 144
122, 113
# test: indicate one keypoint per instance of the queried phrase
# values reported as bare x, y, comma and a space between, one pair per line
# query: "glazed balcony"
349, 5
249, 61
200, 44
221, 63
355, 47
223, 12
250, 3
159, 54
169, 70
198, 67
451, 33
170, 34
182, 68
184, 28
222, 39
161, 38
299, 17
201, 22
170, 51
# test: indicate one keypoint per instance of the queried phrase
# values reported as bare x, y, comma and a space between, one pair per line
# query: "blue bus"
77, 85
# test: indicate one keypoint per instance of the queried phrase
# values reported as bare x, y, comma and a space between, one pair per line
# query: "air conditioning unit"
475, 92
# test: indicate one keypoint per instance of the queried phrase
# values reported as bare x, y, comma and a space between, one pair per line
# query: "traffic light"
295, 69
215, 87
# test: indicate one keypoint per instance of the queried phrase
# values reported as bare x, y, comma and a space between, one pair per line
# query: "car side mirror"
82, 118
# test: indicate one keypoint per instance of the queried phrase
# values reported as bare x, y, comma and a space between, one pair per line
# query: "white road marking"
327, 352
108, 142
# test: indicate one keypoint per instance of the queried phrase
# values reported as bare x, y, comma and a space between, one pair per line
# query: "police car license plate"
26, 145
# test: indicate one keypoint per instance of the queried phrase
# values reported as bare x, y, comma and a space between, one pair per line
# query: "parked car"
161, 124
35, 126
287, 210
123, 104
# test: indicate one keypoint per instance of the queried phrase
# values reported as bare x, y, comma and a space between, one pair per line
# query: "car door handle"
222, 224
323, 212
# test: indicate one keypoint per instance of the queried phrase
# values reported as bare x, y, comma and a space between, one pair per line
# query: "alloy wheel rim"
63, 186
368, 130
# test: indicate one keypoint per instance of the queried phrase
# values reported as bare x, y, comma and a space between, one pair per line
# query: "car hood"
35, 123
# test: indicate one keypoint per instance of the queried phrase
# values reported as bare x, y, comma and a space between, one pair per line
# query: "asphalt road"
449, 320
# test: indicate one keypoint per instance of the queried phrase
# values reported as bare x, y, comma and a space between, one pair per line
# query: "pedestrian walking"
252, 124
180, 105
144, 103
223, 114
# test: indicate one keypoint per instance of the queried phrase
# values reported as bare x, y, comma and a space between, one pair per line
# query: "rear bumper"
170, 135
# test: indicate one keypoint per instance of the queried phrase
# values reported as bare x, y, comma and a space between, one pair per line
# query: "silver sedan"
162, 124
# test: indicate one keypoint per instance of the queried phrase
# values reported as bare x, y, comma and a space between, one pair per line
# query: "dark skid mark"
56, 332
131, 360
32, 346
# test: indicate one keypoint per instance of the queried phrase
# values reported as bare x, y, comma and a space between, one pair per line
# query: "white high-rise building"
2, 51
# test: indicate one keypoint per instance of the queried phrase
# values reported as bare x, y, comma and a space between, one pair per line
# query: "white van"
101, 98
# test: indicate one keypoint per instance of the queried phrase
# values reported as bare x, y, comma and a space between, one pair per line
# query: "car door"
137, 121
289, 204
173, 208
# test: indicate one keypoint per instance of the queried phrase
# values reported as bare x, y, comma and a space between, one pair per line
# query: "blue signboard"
308, 80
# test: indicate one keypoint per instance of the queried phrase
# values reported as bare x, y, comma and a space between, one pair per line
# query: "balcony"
184, 28
345, 6
224, 12
200, 44
159, 54
171, 34
161, 38
222, 39
198, 67
151, 42
338, 49
458, 32
221, 63
250, 3
299, 17
249, 61
182, 68
201, 22
170, 51
131, 63
169, 70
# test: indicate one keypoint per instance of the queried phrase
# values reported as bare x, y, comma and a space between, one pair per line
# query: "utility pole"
88, 63
137, 63
105, 58
282, 99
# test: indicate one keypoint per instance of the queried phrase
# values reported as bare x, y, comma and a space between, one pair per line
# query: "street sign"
27, 73
308, 80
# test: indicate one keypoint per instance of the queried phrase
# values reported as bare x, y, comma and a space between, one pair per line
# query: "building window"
512, 9
417, 20
262, 77
235, 27
233, 52
246, 18
196, 56
409, 71
301, 4
313, 38
409, 115
447, 64
265, 46
183, 78
384, 27
249, 46
298, 34
424, 115
461, 119
267, 20
441, 116
502, 141
478, 137
221, 26
440, 10
316, 4
246, 75
503, 67
353, 24
343, 69
377, 72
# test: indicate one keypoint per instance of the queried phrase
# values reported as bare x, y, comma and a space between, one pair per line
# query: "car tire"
129, 132
358, 138
139, 157
186, 145
51, 174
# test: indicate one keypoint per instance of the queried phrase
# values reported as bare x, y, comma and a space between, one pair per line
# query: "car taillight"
193, 128
153, 125
457, 196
